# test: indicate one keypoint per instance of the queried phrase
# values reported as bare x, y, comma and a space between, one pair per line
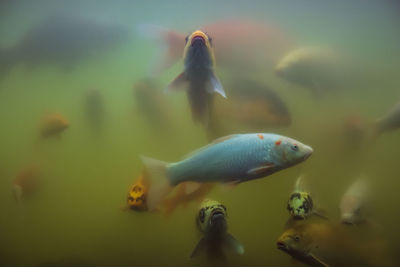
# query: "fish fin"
233, 244
161, 184
228, 186
17, 191
177, 83
191, 187
318, 262
320, 213
216, 141
298, 184
201, 245
259, 170
216, 85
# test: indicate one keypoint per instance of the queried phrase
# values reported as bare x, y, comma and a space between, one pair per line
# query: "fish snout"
282, 246
198, 39
307, 152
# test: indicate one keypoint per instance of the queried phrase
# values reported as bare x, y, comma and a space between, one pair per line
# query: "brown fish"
26, 182
53, 125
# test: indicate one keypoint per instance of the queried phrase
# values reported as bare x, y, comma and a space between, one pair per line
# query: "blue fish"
230, 159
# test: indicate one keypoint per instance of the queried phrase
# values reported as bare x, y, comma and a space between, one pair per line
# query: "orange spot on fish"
278, 142
260, 136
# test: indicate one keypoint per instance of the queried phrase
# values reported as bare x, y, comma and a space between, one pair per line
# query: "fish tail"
161, 184
169, 206
200, 104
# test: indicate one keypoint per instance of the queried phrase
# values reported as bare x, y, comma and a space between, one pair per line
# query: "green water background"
78, 211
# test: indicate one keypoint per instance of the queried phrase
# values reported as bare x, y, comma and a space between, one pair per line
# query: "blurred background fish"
94, 109
63, 42
251, 106
27, 182
52, 125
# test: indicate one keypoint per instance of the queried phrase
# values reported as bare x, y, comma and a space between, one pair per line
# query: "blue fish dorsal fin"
216, 141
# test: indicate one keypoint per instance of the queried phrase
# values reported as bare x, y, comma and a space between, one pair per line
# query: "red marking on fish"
260, 136
278, 142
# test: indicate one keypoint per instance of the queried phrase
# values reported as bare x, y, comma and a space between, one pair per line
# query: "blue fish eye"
295, 147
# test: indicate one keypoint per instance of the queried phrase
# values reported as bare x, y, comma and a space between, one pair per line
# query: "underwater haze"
83, 97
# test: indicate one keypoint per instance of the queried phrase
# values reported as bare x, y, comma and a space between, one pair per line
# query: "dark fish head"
212, 217
198, 40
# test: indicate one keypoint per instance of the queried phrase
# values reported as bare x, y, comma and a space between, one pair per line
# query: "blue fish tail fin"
160, 182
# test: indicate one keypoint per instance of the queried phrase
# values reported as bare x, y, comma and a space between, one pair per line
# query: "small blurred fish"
150, 102
211, 221
94, 108
252, 105
327, 244
53, 125
389, 122
26, 183
354, 131
243, 45
353, 205
199, 67
300, 204
230, 159
63, 42
186, 193
315, 68
137, 194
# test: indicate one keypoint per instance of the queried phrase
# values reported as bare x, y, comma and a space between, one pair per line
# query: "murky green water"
76, 216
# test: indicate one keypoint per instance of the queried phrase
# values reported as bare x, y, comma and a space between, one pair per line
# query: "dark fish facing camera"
94, 107
211, 222
63, 42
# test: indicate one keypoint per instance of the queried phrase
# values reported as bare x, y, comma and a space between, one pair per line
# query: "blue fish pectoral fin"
230, 185
216, 85
191, 187
261, 169
177, 83
315, 261
232, 244
201, 245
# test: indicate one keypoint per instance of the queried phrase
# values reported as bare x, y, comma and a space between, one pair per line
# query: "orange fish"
186, 193
240, 44
53, 125
26, 182
136, 199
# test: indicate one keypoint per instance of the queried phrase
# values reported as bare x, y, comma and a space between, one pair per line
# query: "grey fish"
63, 42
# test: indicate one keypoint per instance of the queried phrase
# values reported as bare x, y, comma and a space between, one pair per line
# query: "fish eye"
223, 207
295, 147
186, 38
201, 215
131, 199
297, 238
